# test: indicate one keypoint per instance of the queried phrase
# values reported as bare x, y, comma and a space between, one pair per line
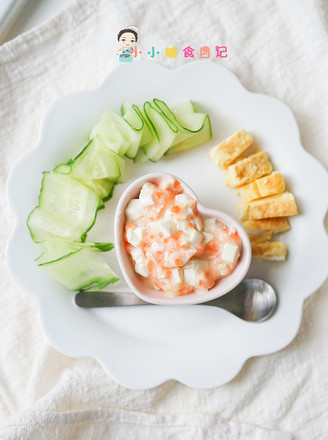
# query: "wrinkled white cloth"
275, 47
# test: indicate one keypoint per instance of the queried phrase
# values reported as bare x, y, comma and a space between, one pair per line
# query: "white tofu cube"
190, 276
230, 251
142, 269
169, 214
223, 270
194, 238
134, 236
208, 237
163, 225
183, 200
177, 275
167, 182
183, 226
138, 256
134, 210
209, 224
156, 247
146, 194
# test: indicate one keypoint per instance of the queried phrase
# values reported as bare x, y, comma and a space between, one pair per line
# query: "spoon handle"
108, 299
121, 299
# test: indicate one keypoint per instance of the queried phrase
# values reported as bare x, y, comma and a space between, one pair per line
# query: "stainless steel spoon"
253, 300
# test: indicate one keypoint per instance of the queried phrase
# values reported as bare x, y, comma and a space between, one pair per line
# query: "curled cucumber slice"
82, 269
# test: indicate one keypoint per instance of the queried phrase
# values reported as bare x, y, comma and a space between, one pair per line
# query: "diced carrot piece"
235, 236
176, 235
176, 209
212, 247
159, 194
177, 186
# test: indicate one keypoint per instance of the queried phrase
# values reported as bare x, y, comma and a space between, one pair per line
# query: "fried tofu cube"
249, 169
262, 226
280, 205
266, 186
270, 250
259, 238
227, 151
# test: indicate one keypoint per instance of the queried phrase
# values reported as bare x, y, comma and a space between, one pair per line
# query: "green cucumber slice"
66, 209
164, 132
43, 225
138, 122
141, 157
109, 131
83, 269
116, 134
183, 131
125, 107
63, 168
192, 122
97, 162
110, 136
135, 117
103, 187
198, 138
189, 124
183, 108
57, 249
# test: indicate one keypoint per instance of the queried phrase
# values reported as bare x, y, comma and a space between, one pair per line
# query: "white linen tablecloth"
275, 47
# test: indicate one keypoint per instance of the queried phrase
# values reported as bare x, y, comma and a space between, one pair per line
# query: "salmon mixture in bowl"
172, 246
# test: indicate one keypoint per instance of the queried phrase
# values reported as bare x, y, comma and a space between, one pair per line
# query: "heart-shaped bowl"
136, 283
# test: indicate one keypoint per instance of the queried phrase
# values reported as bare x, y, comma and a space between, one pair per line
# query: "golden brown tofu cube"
266, 186
228, 150
259, 238
279, 205
249, 169
270, 250
262, 226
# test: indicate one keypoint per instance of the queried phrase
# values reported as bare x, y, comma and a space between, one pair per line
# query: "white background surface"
31, 14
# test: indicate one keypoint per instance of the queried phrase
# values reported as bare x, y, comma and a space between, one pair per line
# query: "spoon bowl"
253, 300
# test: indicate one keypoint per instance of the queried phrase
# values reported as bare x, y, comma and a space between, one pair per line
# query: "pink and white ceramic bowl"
135, 281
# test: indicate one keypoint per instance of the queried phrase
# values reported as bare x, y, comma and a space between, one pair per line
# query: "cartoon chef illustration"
127, 38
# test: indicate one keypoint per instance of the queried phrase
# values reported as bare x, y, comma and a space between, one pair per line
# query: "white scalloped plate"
200, 346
